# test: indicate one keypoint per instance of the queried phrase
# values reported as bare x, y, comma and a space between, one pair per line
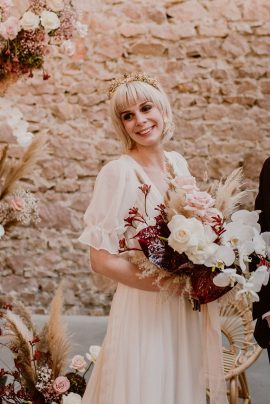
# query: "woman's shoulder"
177, 157
115, 165
179, 162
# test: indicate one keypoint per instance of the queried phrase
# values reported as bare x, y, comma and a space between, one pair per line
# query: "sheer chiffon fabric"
157, 350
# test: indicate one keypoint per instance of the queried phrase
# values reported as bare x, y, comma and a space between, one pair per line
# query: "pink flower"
6, 4
61, 384
199, 202
9, 29
78, 363
17, 204
212, 216
186, 182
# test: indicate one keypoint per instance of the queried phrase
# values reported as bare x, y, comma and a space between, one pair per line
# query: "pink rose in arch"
61, 384
9, 29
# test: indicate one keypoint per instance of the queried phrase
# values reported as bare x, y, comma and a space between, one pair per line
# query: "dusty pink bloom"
9, 29
210, 216
6, 4
186, 182
199, 201
17, 203
78, 363
61, 384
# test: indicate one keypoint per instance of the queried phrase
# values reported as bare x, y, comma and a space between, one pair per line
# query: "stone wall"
213, 59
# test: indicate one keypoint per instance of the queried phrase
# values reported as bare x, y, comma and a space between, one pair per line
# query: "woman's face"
143, 123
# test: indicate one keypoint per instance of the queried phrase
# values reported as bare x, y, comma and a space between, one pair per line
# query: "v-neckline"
150, 182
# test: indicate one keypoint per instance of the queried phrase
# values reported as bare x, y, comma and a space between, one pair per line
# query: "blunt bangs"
134, 93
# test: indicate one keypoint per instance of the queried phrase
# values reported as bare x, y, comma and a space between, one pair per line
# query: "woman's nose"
140, 118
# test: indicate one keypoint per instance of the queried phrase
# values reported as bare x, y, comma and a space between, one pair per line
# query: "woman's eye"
146, 107
127, 116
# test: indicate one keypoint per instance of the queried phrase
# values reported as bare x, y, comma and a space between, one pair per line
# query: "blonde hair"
131, 93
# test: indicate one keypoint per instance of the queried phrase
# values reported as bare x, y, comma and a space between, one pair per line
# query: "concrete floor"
88, 331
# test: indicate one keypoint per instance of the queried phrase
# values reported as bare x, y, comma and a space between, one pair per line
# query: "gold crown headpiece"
128, 78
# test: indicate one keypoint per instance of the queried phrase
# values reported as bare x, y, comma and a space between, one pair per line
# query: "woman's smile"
146, 131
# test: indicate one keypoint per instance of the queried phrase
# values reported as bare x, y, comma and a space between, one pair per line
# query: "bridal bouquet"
27, 30
40, 360
200, 243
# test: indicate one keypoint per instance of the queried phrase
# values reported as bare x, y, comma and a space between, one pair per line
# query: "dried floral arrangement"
18, 205
40, 361
28, 29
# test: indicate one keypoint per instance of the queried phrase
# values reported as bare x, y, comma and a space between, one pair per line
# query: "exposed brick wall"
213, 59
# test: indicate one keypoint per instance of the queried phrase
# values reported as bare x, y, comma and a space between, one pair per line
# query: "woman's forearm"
120, 270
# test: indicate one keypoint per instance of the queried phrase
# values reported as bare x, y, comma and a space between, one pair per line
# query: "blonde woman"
156, 350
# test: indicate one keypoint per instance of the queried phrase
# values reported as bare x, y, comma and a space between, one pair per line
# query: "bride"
156, 350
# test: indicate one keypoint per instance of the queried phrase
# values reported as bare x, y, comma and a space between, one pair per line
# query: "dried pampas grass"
20, 337
54, 339
12, 172
229, 194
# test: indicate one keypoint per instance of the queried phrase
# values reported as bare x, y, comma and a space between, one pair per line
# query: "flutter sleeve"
113, 196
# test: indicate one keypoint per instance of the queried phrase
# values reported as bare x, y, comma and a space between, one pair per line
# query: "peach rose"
78, 363
199, 202
61, 384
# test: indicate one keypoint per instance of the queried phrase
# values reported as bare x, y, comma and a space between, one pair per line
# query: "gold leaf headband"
128, 78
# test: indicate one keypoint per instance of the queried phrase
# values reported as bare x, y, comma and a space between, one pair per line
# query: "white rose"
55, 5
49, 20
72, 398
78, 363
94, 352
190, 236
185, 233
201, 253
29, 21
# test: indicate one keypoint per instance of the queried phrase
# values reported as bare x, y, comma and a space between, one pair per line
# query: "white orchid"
253, 285
266, 238
248, 291
228, 277
94, 351
14, 119
246, 217
259, 243
224, 256
260, 277
236, 233
244, 251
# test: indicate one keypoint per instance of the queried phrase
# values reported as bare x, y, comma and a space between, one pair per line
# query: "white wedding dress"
157, 350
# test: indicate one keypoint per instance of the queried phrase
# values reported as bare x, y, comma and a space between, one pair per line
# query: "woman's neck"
153, 157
